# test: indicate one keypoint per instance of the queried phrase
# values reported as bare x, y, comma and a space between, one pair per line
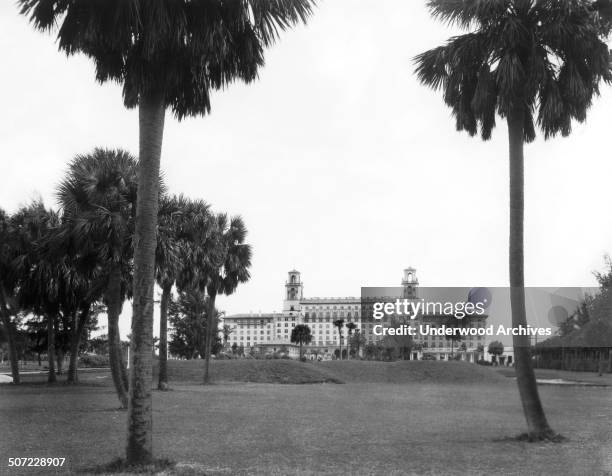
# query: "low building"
588, 349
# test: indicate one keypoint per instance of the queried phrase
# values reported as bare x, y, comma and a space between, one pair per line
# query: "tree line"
61, 268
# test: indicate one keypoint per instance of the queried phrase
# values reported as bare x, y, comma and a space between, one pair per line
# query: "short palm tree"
98, 199
8, 285
301, 335
351, 326
530, 62
170, 56
182, 246
339, 324
40, 274
167, 267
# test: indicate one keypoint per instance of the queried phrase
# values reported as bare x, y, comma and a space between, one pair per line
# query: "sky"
342, 165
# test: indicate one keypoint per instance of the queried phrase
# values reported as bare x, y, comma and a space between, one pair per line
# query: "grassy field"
293, 372
592, 378
366, 426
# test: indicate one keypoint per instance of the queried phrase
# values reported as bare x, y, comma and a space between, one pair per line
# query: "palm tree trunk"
51, 348
163, 339
139, 448
75, 342
537, 425
59, 358
210, 323
12, 344
112, 299
348, 346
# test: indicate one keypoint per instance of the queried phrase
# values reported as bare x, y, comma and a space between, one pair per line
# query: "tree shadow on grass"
551, 437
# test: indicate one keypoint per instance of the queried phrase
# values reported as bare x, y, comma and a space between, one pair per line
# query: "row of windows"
316, 308
331, 314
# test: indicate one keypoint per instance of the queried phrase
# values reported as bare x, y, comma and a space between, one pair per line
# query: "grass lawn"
291, 371
579, 377
424, 426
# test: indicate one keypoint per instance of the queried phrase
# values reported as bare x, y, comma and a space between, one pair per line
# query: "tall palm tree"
98, 198
195, 227
169, 56
228, 267
530, 62
339, 323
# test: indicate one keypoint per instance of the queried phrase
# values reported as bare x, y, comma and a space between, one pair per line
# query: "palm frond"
183, 48
544, 58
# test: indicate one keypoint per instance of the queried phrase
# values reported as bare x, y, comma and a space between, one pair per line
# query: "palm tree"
98, 198
8, 285
77, 288
169, 56
351, 326
227, 268
301, 335
168, 265
40, 274
182, 240
339, 323
520, 58
196, 229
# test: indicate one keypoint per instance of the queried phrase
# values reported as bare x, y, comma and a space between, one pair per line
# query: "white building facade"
271, 332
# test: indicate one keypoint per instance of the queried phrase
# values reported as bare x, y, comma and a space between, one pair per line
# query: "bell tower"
294, 289
410, 284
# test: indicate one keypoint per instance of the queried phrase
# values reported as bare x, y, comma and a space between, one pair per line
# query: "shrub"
94, 360
484, 362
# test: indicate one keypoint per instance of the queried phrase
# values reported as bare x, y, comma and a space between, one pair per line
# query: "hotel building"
271, 332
